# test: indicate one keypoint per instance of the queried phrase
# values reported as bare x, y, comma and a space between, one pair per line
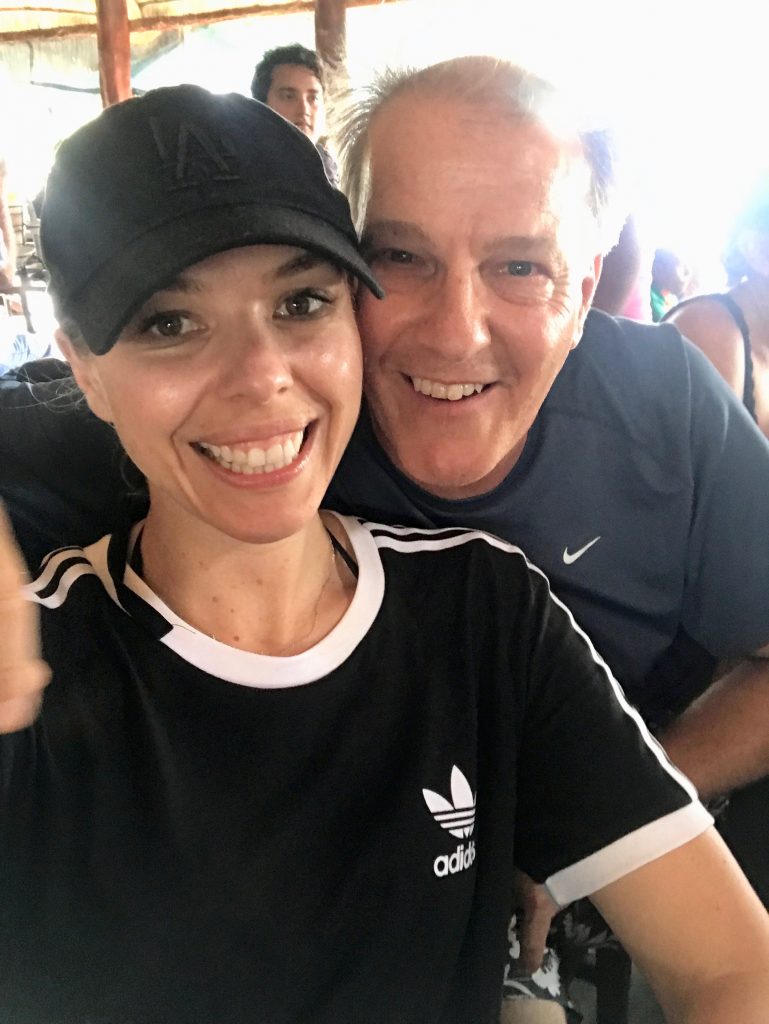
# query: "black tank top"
748, 391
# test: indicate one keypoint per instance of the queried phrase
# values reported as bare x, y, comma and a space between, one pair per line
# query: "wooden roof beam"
114, 43
161, 22
331, 38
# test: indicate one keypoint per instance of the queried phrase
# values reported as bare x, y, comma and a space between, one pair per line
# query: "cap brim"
122, 285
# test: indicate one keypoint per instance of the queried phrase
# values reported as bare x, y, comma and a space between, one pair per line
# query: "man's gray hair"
489, 81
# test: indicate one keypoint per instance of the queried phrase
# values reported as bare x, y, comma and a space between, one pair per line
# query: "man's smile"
451, 392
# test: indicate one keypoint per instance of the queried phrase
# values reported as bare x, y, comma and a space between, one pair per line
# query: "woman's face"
236, 389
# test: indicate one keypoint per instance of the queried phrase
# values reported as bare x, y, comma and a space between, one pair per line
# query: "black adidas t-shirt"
194, 834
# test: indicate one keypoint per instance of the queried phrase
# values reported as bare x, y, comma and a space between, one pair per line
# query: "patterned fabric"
574, 933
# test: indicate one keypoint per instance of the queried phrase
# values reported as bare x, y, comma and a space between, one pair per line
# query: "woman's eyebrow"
182, 283
299, 264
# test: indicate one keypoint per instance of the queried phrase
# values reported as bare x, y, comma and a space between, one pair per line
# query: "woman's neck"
279, 598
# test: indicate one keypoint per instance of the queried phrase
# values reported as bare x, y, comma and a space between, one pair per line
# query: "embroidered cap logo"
191, 156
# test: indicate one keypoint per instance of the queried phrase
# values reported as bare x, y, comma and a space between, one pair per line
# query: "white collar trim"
264, 671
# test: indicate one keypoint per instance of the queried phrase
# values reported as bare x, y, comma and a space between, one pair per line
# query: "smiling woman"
234, 390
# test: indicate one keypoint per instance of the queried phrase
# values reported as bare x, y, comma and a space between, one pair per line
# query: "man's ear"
86, 372
589, 285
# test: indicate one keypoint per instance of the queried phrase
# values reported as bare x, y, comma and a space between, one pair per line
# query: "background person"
290, 80
732, 328
670, 277
623, 285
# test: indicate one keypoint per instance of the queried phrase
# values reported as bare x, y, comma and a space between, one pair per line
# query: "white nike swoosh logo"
569, 558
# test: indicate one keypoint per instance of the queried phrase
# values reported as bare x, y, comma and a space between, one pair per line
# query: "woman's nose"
258, 365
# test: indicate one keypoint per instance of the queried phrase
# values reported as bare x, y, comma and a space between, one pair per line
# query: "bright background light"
683, 81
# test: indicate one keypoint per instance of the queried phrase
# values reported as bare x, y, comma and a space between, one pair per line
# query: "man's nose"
459, 316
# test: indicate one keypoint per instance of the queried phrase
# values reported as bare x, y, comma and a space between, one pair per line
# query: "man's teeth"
255, 460
451, 392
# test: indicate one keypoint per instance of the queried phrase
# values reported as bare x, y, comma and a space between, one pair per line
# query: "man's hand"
23, 676
536, 911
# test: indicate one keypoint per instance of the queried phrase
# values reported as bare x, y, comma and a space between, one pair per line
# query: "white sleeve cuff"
624, 855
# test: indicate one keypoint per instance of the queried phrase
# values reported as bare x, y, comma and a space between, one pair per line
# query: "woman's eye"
303, 304
169, 325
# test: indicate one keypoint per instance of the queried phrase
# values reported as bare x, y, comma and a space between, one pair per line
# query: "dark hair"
293, 54
754, 216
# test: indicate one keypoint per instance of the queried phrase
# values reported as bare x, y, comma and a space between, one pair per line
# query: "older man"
621, 465
611, 452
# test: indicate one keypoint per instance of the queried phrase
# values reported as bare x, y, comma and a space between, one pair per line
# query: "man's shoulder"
639, 379
452, 553
631, 355
447, 542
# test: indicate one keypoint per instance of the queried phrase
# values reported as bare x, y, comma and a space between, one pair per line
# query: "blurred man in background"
290, 80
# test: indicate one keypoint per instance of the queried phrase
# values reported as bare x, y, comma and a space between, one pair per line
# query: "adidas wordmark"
459, 860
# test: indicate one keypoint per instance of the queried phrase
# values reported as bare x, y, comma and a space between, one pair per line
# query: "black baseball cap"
157, 183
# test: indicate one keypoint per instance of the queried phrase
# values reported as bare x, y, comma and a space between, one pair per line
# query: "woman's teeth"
253, 459
451, 392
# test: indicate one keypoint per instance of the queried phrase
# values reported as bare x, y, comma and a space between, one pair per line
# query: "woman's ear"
85, 370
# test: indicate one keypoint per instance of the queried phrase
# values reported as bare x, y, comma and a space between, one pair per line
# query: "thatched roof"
37, 19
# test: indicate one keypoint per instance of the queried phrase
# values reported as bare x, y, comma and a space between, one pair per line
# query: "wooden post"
331, 41
114, 41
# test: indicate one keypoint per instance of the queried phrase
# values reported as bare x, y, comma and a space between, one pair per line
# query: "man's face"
297, 94
479, 231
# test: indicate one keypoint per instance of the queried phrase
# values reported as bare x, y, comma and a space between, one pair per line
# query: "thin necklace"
136, 562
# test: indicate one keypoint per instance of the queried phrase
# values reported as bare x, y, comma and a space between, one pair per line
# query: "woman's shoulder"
706, 316
708, 322
50, 586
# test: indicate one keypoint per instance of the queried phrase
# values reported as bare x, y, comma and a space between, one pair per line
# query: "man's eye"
302, 304
400, 256
519, 268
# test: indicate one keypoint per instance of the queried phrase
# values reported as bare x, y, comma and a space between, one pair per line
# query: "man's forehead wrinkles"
521, 243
